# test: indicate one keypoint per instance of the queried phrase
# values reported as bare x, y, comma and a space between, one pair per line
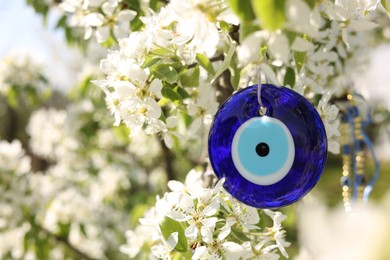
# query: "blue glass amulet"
272, 160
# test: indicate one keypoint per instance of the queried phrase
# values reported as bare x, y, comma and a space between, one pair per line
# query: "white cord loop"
262, 109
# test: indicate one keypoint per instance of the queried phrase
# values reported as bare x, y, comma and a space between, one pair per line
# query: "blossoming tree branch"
118, 167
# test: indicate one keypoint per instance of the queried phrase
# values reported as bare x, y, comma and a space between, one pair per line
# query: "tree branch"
235, 33
224, 87
168, 159
216, 58
11, 128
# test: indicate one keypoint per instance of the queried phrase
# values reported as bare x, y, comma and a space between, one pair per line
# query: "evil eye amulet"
272, 160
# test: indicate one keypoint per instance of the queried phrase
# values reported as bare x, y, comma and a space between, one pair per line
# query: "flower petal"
178, 216
126, 15
211, 209
186, 203
234, 251
176, 185
209, 222
172, 240
191, 232
301, 45
199, 252
363, 25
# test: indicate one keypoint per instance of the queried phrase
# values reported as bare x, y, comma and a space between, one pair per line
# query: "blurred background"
32, 41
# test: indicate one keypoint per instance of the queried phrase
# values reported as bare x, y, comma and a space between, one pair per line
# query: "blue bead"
345, 181
346, 149
237, 125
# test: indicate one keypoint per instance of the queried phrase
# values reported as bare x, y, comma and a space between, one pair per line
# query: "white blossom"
13, 158
48, 138
99, 17
164, 249
132, 102
18, 70
302, 19
231, 251
121, 21
179, 31
135, 240
207, 216
247, 216
12, 241
277, 233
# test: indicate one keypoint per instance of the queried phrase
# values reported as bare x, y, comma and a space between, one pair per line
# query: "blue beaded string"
370, 146
374, 178
361, 141
346, 180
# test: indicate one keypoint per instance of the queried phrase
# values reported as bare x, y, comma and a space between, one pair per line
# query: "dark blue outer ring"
307, 130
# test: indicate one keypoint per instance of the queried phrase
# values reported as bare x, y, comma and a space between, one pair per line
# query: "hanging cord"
262, 109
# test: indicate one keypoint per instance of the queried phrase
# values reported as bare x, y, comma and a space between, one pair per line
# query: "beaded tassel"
355, 143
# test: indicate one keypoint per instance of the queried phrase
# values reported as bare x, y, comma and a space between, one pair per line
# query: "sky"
23, 31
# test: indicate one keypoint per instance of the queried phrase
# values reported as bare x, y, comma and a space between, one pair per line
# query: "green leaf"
134, 5
161, 52
226, 62
181, 256
224, 26
64, 229
42, 247
166, 72
263, 52
300, 58
190, 77
61, 23
121, 133
83, 230
150, 61
136, 24
289, 78
182, 92
239, 234
243, 9
163, 102
205, 63
169, 93
235, 78
169, 226
39, 7
386, 5
270, 13
137, 213
12, 97
83, 90
154, 5
247, 28
111, 41
311, 3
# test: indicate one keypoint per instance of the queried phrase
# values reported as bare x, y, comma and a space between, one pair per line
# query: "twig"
224, 86
11, 129
168, 158
235, 33
216, 58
